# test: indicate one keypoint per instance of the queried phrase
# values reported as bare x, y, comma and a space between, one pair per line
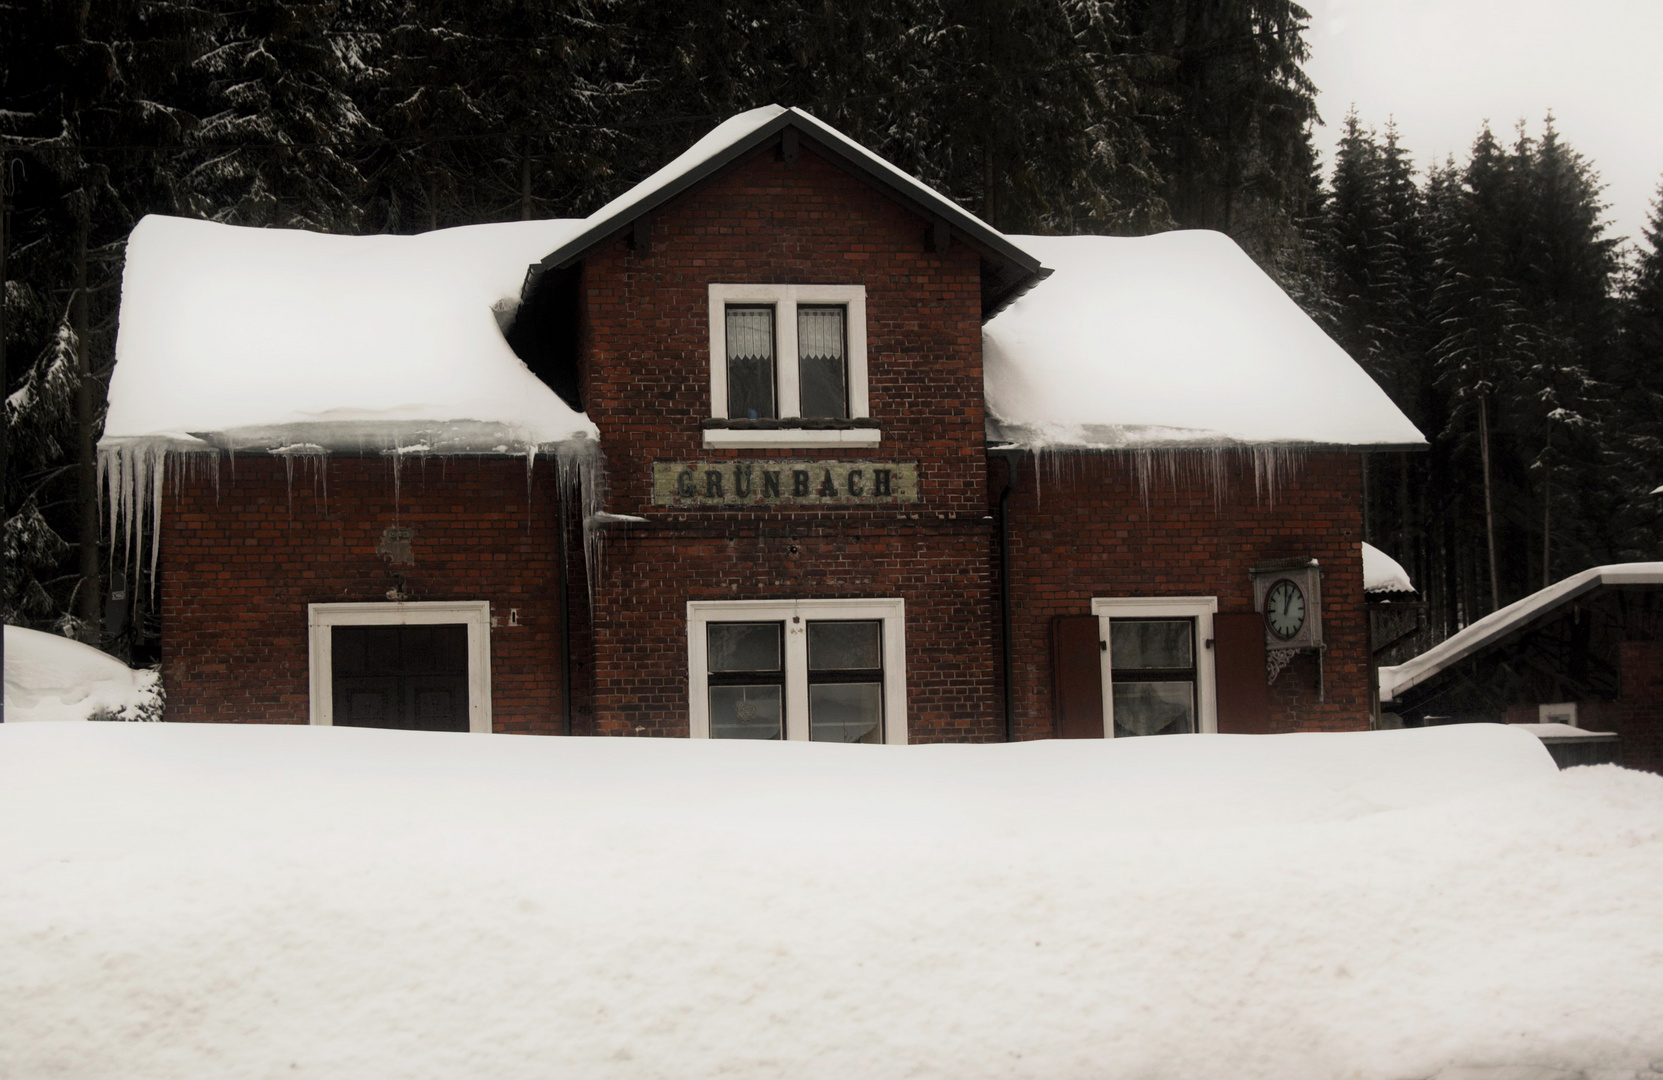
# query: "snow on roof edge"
1498, 624
1112, 438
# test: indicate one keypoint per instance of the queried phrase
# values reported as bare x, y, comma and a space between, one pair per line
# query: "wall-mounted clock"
1288, 593
1284, 610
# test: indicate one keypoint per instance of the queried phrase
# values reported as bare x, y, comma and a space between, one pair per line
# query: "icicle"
128, 482
530, 462
158, 479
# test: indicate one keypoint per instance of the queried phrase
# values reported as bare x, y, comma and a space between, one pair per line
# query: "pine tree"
91, 134
1229, 109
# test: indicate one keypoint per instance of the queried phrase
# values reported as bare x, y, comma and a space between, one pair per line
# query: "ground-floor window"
817, 670
419, 666
1136, 666
1156, 662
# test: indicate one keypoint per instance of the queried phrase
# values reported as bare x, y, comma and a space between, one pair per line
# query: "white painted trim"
790, 438
891, 611
321, 619
1201, 609
785, 299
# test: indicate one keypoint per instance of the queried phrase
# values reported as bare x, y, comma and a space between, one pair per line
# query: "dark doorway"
409, 677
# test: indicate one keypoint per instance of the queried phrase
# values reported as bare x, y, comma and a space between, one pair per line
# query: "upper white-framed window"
780, 353
368, 667
1157, 664
822, 670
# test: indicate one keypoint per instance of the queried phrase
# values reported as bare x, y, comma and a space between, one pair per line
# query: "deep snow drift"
53, 678
181, 901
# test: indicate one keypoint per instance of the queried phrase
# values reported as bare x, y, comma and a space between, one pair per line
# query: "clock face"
1285, 609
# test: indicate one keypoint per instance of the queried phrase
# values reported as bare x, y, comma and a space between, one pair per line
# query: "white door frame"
321, 619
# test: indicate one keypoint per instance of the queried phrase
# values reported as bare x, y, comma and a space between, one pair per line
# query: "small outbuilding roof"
260, 337
1382, 574
1171, 341
1497, 625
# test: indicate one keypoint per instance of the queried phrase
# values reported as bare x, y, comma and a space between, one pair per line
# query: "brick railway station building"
779, 444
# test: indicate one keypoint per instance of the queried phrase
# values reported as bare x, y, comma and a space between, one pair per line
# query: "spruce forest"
1483, 293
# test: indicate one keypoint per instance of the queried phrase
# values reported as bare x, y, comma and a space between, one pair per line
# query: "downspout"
563, 595
1007, 649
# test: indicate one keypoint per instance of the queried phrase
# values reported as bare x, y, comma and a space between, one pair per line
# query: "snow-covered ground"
238, 901
53, 678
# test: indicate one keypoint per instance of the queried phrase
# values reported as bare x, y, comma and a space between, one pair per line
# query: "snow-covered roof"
740, 134
1169, 341
1498, 624
1384, 574
261, 337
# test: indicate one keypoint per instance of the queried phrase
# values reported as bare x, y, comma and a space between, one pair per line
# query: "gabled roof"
1515, 616
1006, 269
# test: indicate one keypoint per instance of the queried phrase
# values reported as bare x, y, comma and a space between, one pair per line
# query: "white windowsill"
789, 438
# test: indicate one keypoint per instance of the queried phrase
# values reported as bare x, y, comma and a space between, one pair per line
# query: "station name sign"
783, 483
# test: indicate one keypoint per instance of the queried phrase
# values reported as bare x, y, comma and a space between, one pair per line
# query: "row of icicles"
133, 478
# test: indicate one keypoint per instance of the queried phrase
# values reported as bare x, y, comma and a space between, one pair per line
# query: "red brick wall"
646, 381
239, 566
1082, 531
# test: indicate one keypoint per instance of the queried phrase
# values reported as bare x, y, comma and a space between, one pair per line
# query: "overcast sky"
1441, 67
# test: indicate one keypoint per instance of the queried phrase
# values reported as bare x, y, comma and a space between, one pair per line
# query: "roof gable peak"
1007, 270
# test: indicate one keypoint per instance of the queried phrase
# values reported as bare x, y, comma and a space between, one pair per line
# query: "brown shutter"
1239, 661
1076, 677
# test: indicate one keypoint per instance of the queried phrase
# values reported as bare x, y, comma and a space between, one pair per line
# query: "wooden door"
410, 677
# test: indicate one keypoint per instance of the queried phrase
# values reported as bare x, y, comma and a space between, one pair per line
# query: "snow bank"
266, 337
1384, 574
181, 901
1515, 616
53, 678
1169, 341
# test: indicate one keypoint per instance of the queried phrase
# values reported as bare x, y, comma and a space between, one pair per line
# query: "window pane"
743, 646
1162, 644
750, 333
746, 712
821, 369
1154, 708
845, 646
845, 712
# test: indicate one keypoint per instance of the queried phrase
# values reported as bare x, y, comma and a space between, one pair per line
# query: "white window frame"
784, 300
795, 614
1201, 609
321, 620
